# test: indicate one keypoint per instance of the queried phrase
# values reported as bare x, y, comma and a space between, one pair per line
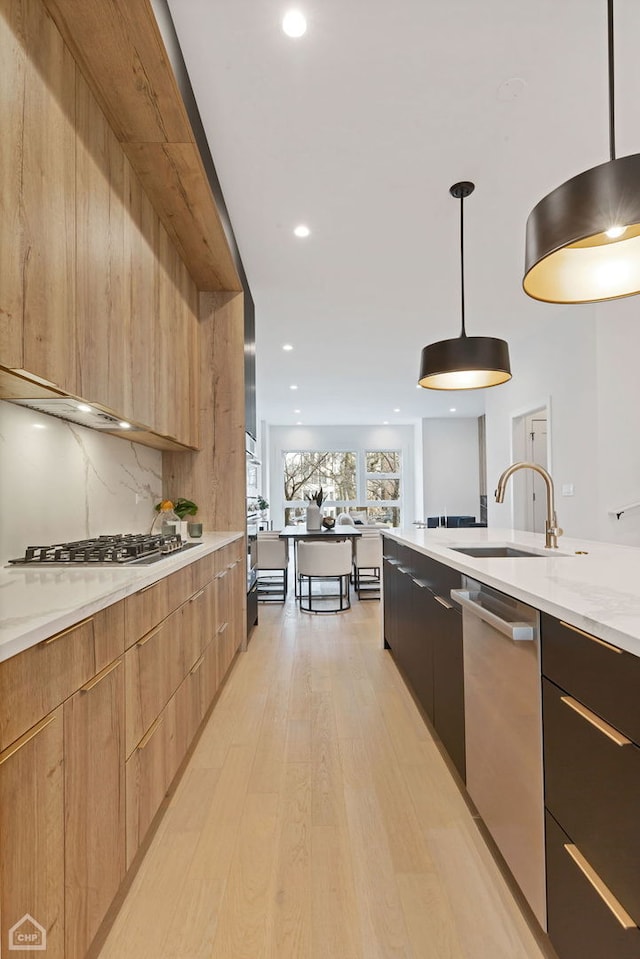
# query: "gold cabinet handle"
17, 746
220, 575
222, 628
196, 666
443, 602
603, 891
609, 731
150, 732
150, 586
65, 632
152, 632
198, 594
594, 639
98, 679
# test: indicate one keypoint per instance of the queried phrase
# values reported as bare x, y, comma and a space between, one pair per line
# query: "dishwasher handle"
517, 631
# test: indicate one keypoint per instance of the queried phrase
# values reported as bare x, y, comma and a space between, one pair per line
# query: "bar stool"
366, 565
324, 561
272, 556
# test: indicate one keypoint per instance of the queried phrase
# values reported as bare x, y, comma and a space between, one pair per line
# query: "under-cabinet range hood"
75, 412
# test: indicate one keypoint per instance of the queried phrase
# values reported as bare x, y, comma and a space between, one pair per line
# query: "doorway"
531, 444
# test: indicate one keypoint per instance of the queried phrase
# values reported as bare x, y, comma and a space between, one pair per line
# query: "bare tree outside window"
383, 461
306, 471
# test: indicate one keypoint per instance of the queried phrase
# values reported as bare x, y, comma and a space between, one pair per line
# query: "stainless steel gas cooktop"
121, 549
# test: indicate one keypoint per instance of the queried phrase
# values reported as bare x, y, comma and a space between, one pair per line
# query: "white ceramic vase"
314, 516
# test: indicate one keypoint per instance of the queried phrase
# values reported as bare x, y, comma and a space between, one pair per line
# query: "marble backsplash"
59, 482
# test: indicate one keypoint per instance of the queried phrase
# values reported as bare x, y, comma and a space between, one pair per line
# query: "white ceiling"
358, 129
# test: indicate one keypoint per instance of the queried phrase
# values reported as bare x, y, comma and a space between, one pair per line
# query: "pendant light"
466, 362
583, 238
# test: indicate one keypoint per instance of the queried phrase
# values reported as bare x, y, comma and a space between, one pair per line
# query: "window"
370, 480
383, 486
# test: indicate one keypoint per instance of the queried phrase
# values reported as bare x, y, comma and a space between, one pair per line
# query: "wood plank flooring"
317, 819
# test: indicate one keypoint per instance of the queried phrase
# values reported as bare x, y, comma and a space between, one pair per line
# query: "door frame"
517, 452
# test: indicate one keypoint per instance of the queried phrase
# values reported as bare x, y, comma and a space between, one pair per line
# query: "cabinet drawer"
592, 788
149, 606
389, 547
603, 677
39, 679
148, 776
580, 924
154, 668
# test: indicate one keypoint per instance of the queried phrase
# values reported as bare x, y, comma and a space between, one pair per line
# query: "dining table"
337, 533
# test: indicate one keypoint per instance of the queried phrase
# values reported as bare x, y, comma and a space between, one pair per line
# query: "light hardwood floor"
317, 819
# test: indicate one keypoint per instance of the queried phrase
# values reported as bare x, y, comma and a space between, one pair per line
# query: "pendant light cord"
612, 109
463, 333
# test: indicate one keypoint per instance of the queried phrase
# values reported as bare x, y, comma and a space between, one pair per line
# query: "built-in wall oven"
253, 465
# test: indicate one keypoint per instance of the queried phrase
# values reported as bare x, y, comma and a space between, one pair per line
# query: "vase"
314, 516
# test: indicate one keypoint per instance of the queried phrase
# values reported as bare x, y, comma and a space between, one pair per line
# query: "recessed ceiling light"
397, 409
84, 408
294, 23
293, 387
39, 426
299, 423
452, 409
302, 230
287, 347
385, 422
124, 426
297, 411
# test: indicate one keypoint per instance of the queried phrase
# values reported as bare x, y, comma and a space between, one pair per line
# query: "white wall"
346, 438
584, 363
59, 482
451, 483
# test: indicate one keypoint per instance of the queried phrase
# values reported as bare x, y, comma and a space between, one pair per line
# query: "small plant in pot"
177, 510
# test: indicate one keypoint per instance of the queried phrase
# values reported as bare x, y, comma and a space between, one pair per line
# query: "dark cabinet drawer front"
448, 687
592, 788
389, 547
603, 678
441, 579
580, 924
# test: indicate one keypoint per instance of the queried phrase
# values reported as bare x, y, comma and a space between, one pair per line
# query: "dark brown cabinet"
423, 629
592, 793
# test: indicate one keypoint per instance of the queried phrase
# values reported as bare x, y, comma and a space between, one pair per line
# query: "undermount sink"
492, 551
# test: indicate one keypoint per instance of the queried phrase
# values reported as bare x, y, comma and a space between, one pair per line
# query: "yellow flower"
166, 505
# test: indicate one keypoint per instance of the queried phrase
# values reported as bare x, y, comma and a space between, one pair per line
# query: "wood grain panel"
94, 805
103, 308
32, 833
120, 51
215, 476
176, 183
38, 108
39, 679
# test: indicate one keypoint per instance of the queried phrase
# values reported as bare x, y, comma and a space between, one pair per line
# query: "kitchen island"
533, 692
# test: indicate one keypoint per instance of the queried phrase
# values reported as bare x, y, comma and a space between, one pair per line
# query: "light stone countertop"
598, 592
37, 602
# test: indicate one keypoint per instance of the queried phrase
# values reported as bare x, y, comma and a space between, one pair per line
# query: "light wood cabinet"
39, 679
94, 805
37, 196
148, 776
32, 835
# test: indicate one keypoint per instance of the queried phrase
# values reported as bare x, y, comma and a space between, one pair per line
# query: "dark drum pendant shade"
466, 362
583, 238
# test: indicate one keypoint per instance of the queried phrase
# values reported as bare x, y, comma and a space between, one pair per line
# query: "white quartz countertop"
37, 602
598, 592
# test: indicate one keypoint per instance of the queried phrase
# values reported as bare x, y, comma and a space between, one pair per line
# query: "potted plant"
173, 513
263, 506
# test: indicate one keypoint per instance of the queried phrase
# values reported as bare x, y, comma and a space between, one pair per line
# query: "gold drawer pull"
152, 729
152, 632
594, 639
197, 666
198, 594
98, 679
150, 586
65, 632
220, 575
603, 727
603, 891
26, 739
443, 602
222, 628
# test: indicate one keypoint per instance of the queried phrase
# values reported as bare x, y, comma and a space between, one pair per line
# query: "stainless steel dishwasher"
503, 730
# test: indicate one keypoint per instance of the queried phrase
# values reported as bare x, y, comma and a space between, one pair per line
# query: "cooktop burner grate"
119, 549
